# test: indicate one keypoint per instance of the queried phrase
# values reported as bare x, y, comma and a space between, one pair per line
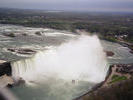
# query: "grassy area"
117, 78
109, 38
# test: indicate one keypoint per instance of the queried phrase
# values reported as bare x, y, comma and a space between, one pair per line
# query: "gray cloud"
81, 5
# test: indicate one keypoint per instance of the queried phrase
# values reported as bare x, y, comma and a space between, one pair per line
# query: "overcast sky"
76, 5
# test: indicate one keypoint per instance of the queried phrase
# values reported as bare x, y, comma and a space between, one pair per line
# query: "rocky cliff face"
5, 68
5, 81
5, 73
117, 85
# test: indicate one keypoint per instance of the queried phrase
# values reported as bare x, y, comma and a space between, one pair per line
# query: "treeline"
105, 25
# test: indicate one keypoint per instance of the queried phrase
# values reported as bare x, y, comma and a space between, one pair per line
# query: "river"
65, 65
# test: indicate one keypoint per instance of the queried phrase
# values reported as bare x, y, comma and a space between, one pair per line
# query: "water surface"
51, 88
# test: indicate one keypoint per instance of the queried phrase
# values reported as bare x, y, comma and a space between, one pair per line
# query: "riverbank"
121, 42
118, 80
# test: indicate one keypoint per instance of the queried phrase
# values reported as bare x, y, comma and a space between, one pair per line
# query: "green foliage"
106, 24
112, 39
116, 78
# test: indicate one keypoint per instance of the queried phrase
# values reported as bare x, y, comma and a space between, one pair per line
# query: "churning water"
57, 71
63, 72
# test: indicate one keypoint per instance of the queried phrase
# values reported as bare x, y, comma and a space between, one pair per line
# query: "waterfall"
81, 59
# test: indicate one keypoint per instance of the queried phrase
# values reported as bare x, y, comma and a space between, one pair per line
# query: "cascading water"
79, 60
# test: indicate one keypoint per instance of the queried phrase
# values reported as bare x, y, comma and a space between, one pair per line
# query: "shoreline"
104, 84
123, 43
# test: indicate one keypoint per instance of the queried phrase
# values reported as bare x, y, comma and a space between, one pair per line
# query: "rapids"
81, 59
63, 72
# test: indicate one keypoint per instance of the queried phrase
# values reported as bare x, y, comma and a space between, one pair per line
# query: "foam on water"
61, 73
81, 59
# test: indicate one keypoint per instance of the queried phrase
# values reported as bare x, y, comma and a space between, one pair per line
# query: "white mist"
82, 59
